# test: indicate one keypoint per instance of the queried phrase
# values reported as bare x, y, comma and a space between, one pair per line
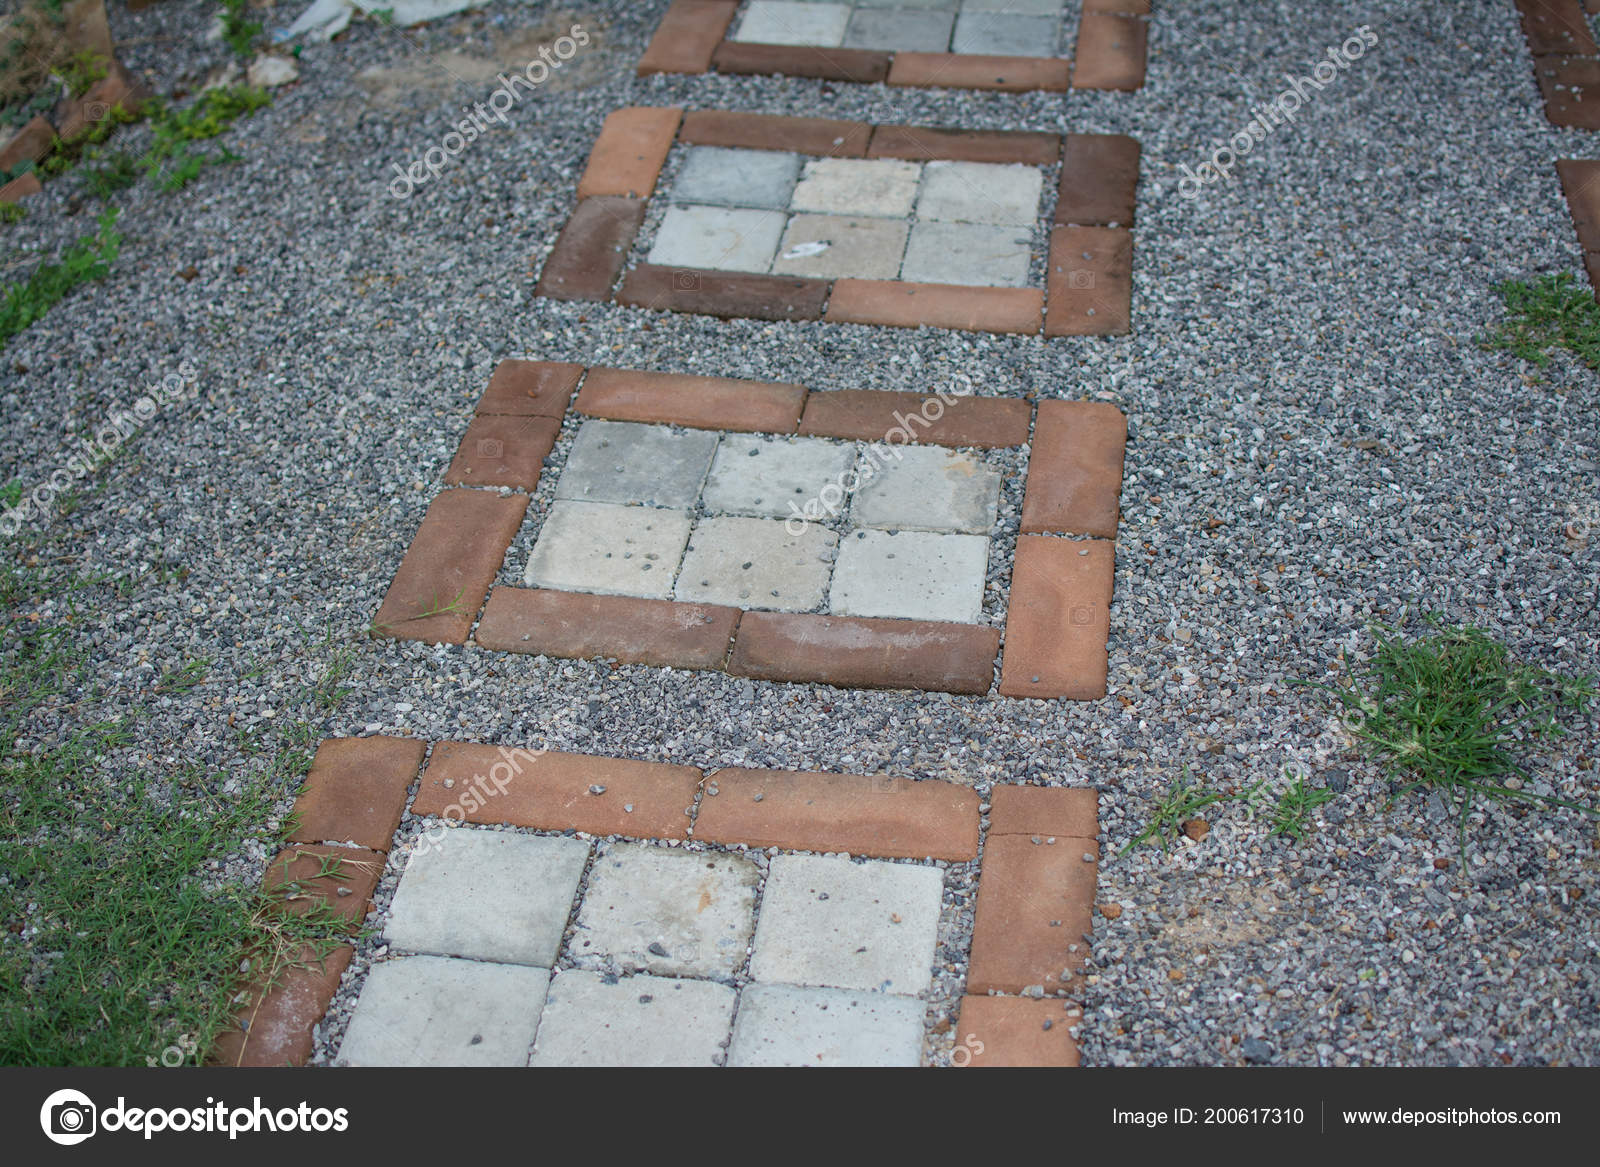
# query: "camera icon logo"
686, 281
68, 1117
1080, 279
491, 448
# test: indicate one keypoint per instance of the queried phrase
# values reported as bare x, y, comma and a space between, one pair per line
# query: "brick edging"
1057, 624
1566, 61
1035, 889
1580, 182
1088, 290
1111, 53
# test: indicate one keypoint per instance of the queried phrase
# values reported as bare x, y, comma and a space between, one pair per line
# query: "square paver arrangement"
1013, 45
810, 219
774, 918
844, 537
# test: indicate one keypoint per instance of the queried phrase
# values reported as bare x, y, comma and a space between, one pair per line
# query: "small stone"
1197, 829
1256, 1051
1111, 911
597, 789
269, 72
655, 949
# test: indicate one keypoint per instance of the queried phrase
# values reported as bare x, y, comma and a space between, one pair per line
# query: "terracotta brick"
931, 143
822, 137
590, 251
1066, 812
530, 389
873, 415
1059, 619
900, 304
29, 144
352, 873
891, 818
1571, 88
1592, 7
717, 403
1556, 26
503, 451
20, 188
1591, 264
1034, 904
626, 629
976, 71
275, 1027
1075, 469
118, 89
1099, 178
723, 294
1132, 7
627, 156
1580, 180
686, 37
861, 66
356, 791
1090, 282
1110, 51
551, 791
864, 653
449, 566
1016, 1031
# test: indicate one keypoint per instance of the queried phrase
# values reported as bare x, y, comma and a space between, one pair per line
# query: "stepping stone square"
980, 192
858, 186
833, 923
757, 563
925, 30
489, 895
754, 475
671, 912
862, 248
608, 549
977, 254
632, 1021
916, 575
718, 238
719, 176
627, 462
435, 1011
785, 22
932, 489
1006, 34
785, 1025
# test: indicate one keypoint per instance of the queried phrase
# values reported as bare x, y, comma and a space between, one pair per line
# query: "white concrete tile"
974, 254
929, 488
831, 922
784, 1025
666, 911
980, 192
913, 575
595, 1020
757, 563
775, 22
882, 187
773, 477
717, 238
489, 895
437, 1011
608, 549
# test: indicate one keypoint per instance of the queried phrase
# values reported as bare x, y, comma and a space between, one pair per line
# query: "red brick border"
1566, 61
1089, 285
1580, 182
1110, 54
1057, 624
1035, 891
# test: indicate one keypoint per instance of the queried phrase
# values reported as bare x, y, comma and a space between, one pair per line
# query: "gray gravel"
1315, 442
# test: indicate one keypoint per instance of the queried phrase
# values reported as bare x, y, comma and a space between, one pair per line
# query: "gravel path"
1315, 441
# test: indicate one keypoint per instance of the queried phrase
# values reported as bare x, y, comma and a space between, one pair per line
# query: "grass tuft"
1551, 312
88, 259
